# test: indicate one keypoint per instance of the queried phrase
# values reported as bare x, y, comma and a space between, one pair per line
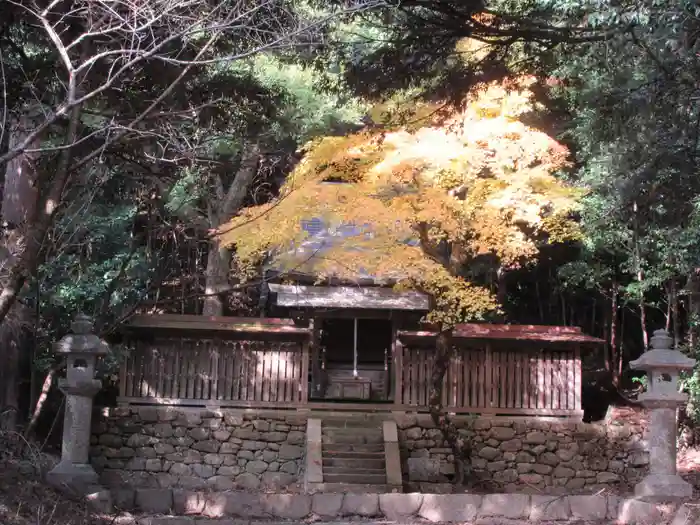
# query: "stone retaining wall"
196, 449
531, 455
393, 507
170, 447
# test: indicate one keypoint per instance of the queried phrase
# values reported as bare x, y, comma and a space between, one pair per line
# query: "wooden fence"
491, 380
531, 371
237, 362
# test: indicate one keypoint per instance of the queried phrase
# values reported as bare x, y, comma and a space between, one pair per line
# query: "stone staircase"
353, 457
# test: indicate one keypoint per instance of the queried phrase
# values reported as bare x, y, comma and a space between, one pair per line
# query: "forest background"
153, 155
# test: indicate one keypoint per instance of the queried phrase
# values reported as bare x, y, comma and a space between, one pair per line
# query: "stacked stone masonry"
401, 508
197, 449
531, 455
157, 447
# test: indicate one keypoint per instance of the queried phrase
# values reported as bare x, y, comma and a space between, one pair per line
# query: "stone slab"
593, 507
157, 501
326, 505
187, 502
391, 434
366, 505
449, 507
510, 506
687, 515
400, 506
313, 430
244, 505
287, 506
549, 508
314, 463
637, 512
392, 460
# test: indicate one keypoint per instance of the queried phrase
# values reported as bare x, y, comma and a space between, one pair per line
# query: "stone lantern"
663, 365
81, 348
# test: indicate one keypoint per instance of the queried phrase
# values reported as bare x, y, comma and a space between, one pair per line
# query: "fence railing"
494, 381
508, 370
216, 363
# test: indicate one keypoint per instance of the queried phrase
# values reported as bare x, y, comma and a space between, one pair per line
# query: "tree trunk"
461, 449
675, 314
18, 205
642, 311
613, 334
229, 203
216, 283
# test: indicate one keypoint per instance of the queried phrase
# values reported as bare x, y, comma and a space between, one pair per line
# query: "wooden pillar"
315, 357
577, 378
398, 370
305, 371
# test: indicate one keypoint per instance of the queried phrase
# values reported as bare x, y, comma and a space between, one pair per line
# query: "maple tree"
430, 190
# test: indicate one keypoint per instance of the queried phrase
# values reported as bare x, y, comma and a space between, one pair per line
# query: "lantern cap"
82, 341
662, 356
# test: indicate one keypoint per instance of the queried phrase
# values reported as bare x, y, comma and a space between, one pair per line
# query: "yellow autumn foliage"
478, 180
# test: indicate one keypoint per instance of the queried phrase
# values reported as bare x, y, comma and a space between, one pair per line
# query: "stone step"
354, 463
352, 470
357, 478
369, 439
353, 488
352, 447
344, 421
345, 454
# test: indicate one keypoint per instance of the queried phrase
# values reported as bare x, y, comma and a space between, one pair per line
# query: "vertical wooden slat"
556, 393
237, 367
286, 370
407, 375
265, 351
473, 371
143, 384
274, 373
525, 364
548, 380
495, 378
245, 378
398, 370
518, 366
177, 371
166, 363
305, 356
259, 369
510, 379
190, 363
540, 379
200, 374
127, 378
215, 362
292, 384
570, 403
488, 372
577, 378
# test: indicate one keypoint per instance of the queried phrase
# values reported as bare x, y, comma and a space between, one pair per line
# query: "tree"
130, 90
103, 52
445, 203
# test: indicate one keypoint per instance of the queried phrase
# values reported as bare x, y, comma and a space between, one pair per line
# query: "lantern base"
663, 487
76, 476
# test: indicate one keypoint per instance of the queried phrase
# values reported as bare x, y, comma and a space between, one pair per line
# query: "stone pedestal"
663, 366
82, 349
